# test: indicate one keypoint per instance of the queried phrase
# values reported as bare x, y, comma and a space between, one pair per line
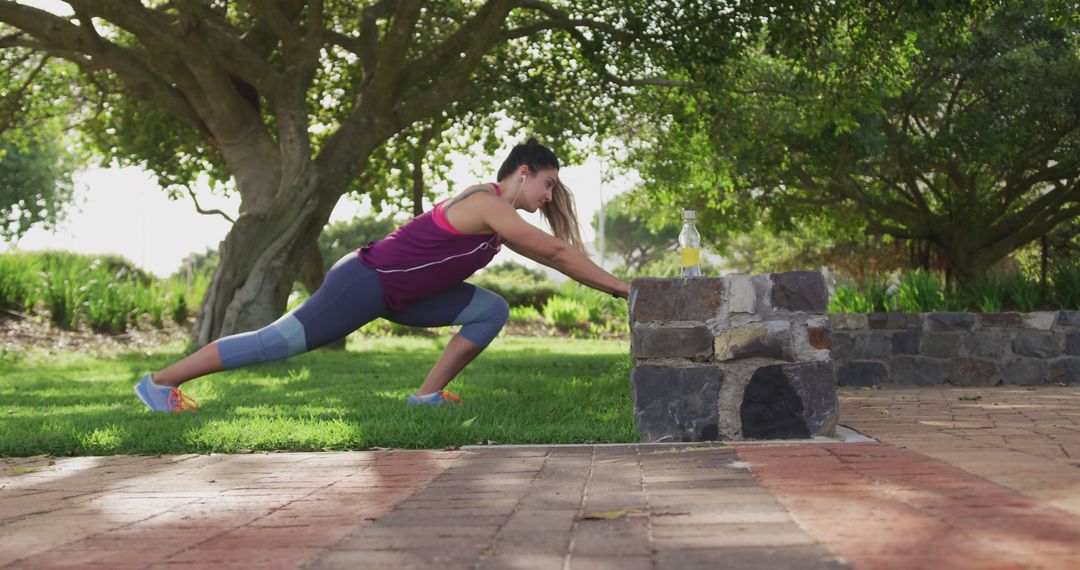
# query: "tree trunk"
260, 259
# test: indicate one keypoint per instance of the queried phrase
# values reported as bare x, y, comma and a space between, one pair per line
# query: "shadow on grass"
325, 400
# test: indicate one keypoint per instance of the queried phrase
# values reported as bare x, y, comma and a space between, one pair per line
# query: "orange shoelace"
450, 397
178, 402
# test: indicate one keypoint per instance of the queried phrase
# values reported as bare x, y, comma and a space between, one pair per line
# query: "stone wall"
732, 357
962, 349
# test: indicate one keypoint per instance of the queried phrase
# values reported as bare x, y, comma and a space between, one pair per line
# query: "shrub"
986, 295
525, 314
849, 300
1024, 295
919, 291
565, 313
1067, 287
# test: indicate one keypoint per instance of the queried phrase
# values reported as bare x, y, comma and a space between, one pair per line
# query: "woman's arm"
534, 243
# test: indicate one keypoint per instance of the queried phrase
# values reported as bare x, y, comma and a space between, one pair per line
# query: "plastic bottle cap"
689, 214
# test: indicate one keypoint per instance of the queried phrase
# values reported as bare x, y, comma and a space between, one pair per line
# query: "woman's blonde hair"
562, 217
559, 213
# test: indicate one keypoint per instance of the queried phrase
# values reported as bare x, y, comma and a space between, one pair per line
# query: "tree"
294, 103
633, 231
957, 126
35, 164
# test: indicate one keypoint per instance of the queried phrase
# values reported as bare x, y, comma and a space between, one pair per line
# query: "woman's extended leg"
349, 297
482, 315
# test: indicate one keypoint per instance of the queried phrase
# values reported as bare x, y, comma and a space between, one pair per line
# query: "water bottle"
690, 245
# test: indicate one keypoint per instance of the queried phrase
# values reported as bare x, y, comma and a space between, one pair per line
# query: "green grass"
521, 390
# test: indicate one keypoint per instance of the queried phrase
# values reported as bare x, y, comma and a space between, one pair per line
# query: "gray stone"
906, 342
676, 403
1043, 320
1068, 319
1065, 370
917, 371
790, 401
904, 321
950, 321
872, 345
987, 343
1072, 343
1025, 372
695, 343
799, 291
742, 298
848, 321
1012, 320
841, 346
858, 373
973, 372
941, 344
1036, 343
657, 299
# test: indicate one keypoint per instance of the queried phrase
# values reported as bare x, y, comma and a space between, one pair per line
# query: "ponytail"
562, 217
559, 213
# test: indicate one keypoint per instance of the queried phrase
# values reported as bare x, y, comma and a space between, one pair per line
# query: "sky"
123, 211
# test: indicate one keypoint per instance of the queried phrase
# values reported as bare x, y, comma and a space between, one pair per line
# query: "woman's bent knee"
487, 323
281, 339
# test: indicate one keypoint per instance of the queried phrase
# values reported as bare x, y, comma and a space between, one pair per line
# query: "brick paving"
981, 478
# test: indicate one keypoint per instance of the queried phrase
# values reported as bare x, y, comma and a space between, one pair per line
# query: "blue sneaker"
162, 398
436, 399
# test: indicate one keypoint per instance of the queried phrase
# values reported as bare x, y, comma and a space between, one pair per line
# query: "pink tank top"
427, 255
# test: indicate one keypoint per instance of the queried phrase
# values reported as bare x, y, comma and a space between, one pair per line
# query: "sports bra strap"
446, 205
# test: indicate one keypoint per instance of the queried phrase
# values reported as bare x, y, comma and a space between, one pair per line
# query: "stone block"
987, 343
906, 341
1068, 319
942, 344
877, 321
770, 339
1065, 370
872, 345
657, 299
1072, 343
841, 346
905, 321
1042, 320
695, 343
1025, 372
917, 371
790, 401
676, 403
1039, 344
848, 321
950, 321
799, 291
859, 373
741, 296
973, 372
1012, 320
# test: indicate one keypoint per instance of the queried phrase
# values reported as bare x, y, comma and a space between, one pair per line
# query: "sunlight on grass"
521, 390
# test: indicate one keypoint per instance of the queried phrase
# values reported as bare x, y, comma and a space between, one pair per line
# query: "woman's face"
537, 188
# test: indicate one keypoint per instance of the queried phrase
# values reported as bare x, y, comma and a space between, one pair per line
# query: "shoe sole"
145, 403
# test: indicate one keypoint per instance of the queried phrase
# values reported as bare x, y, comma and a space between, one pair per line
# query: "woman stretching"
415, 276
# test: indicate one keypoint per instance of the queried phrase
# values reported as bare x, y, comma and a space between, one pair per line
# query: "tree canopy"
293, 103
955, 125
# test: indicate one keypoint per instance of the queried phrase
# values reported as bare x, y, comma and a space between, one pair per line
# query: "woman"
415, 276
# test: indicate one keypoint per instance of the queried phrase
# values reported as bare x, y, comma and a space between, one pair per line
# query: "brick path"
986, 484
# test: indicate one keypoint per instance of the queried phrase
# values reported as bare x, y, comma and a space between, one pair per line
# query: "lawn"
521, 390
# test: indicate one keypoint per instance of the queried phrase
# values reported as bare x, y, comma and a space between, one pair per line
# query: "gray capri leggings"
350, 297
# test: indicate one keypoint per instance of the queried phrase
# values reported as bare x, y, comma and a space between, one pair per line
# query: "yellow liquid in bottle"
690, 256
